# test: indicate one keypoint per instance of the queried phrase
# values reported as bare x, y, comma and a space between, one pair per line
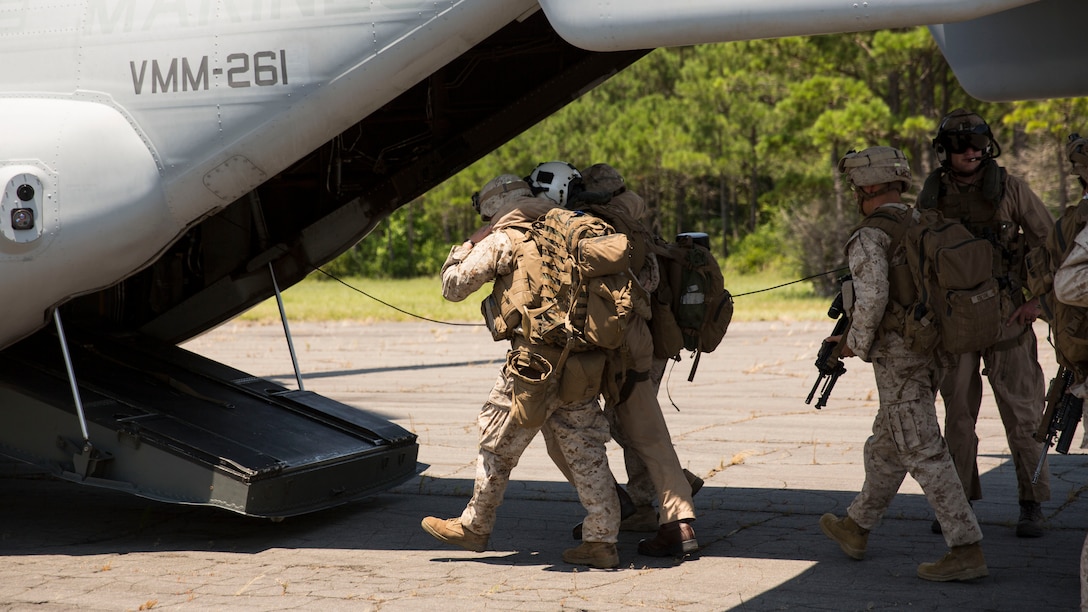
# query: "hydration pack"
691, 307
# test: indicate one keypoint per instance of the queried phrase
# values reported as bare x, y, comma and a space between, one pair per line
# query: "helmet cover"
497, 192
876, 166
1077, 152
602, 177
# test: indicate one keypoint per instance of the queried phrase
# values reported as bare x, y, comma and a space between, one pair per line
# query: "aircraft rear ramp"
183, 429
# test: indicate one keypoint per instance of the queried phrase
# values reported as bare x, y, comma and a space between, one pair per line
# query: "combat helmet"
1077, 152
602, 177
497, 192
876, 166
960, 129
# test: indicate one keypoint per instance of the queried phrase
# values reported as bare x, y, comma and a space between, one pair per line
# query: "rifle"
1063, 412
829, 359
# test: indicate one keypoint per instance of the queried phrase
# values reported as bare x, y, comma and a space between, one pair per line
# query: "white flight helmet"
556, 180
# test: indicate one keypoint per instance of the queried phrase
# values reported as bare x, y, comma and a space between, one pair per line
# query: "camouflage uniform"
906, 436
1011, 366
579, 430
1071, 279
1071, 287
637, 424
1084, 576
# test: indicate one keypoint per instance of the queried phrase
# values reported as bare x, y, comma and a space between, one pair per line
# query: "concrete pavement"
772, 466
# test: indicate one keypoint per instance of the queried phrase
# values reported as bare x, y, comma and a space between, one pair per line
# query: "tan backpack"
955, 302
588, 290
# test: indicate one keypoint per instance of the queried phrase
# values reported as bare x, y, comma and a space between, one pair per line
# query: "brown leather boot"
960, 563
451, 531
851, 537
673, 539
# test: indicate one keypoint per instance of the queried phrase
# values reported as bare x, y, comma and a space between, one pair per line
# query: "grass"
406, 300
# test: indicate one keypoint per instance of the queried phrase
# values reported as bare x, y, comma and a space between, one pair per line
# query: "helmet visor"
977, 137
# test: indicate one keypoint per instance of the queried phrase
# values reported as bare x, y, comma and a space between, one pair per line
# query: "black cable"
314, 268
405, 312
384, 303
422, 318
794, 281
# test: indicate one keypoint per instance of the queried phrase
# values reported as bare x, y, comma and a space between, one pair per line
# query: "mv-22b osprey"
165, 165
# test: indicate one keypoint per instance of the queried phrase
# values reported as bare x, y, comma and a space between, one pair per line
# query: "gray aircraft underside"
164, 165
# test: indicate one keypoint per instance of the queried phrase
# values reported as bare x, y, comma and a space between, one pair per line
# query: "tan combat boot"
960, 563
849, 535
451, 531
601, 555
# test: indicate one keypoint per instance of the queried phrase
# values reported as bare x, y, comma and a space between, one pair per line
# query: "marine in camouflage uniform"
966, 187
637, 424
579, 429
1071, 287
906, 437
1071, 279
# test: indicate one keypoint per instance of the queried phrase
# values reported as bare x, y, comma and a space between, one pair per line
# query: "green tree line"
740, 140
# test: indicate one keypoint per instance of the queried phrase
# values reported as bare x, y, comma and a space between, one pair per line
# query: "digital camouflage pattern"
867, 256
907, 439
469, 267
1071, 278
1084, 575
580, 432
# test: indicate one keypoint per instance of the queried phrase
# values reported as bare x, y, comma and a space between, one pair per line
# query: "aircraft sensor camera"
22, 218
25, 193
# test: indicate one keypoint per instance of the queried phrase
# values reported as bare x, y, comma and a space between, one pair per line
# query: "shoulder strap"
993, 183
932, 189
892, 222
1066, 228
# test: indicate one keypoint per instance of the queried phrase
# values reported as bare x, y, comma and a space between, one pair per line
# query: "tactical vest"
977, 210
955, 302
1069, 323
894, 221
512, 294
